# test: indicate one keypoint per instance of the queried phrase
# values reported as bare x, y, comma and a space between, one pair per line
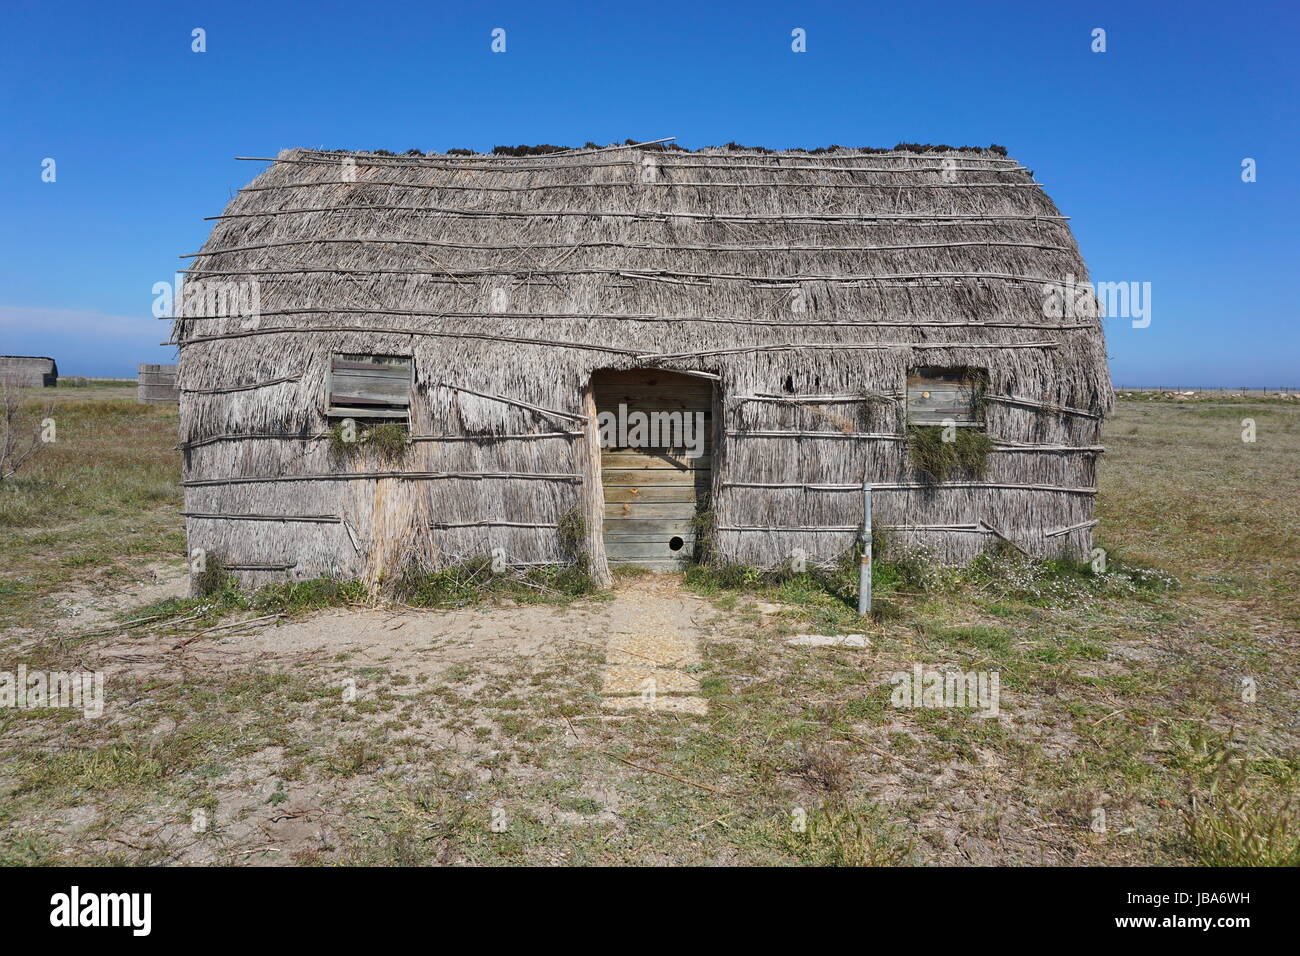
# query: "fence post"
864, 571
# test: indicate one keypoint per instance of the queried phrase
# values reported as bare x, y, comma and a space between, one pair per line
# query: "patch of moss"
387, 440
937, 460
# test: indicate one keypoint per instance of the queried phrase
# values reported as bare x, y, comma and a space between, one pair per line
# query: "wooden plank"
635, 477
624, 460
357, 411
688, 538
629, 553
668, 527
647, 509
659, 494
650, 564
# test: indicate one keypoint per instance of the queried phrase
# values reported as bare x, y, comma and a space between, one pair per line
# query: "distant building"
157, 385
36, 371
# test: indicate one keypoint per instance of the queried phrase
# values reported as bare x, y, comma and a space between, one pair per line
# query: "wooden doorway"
656, 461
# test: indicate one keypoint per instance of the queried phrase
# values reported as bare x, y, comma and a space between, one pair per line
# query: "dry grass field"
1147, 714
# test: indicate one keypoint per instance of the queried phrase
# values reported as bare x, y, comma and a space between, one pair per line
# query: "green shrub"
213, 579
704, 525
936, 460
847, 837
1007, 572
473, 580
387, 440
571, 529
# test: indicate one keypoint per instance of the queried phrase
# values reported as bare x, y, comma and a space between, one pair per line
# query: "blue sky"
1141, 145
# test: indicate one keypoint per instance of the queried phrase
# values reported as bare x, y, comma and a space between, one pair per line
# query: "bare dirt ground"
402, 735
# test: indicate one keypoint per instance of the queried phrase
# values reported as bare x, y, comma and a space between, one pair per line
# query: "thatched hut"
33, 371
156, 385
500, 308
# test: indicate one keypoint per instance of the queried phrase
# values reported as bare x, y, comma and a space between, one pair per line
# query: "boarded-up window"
939, 395
369, 386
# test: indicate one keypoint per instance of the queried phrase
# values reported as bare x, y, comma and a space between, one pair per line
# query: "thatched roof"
781, 272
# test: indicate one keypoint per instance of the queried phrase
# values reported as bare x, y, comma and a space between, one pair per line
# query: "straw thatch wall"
818, 279
156, 385
34, 371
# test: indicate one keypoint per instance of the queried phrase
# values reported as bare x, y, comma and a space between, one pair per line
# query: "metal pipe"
864, 570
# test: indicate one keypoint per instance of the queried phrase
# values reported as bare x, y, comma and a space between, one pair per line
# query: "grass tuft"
473, 580
937, 461
387, 440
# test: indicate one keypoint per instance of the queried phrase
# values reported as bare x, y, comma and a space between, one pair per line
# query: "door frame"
589, 465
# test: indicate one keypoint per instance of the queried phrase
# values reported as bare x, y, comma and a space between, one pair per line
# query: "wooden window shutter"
938, 395
369, 386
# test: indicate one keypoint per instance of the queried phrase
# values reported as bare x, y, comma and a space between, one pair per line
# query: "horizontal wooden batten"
1081, 526
844, 529
784, 433
663, 183
221, 390
623, 272
366, 475
615, 244
811, 322
285, 436
371, 330
572, 416
830, 399
1046, 406
489, 523
314, 519
959, 528
658, 215
911, 486
847, 346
